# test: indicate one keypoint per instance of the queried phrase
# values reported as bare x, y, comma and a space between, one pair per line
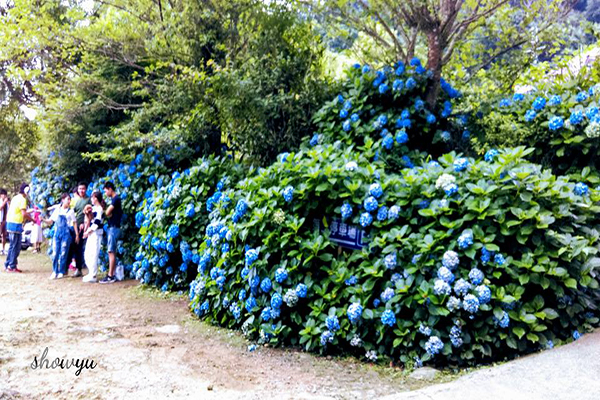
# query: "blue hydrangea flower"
276, 301
383, 88
462, 287
388, 318
425, 330
576, 117
265, 314
476, 276
445, 274
281, 274
581, 97
393, 212
354, 312
332, 323
354, 117
301, 290
343, 113
499, 259
340, 99
411, 83
581, 189
347, 105
450, 260
314, 140
387, 295
460, 164
453, 303
555, 100
431, 119
390, 261
288, 193
549, 344
530, 115
465, 239
576, 335
445, 136
351, 281
591, 112
376, 303
266, 285
555, 123
504, 321
471, 304
326, 337
346, 211
539, 103
419, 104
250, 303
490, 155
424, 204
251, 256
434, 345
518, 97
484, 294
486, 255
382, 213
190, 211
347, 125
242, 295
451, 189
366, 69
388, 142
397, 85
505, 102
441, 288
370, 203
401, 137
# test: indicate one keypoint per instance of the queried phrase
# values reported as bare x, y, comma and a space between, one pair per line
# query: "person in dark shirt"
114, 213
79, 242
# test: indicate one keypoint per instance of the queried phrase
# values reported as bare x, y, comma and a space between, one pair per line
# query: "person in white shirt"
93, 234
64, 218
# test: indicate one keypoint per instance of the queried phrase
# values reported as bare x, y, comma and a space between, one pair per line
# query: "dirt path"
148, 346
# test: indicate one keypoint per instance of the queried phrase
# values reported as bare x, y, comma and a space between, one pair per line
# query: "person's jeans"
13, 250
113, 237
62, 241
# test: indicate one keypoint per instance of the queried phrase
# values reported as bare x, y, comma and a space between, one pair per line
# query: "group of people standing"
78, 230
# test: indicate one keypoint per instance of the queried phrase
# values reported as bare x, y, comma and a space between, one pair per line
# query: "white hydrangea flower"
444, 180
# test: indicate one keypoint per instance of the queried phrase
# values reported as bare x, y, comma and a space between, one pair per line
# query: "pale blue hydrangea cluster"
476, 276
465, 239
425, 330
354, 312
387, 295
390, 261
445, 274
456, 336
470, 304
450, 260
434, 345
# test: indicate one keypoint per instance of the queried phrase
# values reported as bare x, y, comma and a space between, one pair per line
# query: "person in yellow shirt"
17, 215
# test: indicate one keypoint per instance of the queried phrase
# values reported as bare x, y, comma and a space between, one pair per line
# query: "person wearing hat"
17, 215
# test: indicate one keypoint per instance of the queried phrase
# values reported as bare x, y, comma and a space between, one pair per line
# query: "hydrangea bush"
501, 265
387, 107
172, 219
562, 122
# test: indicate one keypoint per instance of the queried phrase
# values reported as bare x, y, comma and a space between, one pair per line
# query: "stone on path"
168, 329
424, 374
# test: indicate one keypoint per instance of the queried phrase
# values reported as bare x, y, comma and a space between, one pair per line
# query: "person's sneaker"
108, 279
77, 274
90, 279
53, 276
15, 269
59, 276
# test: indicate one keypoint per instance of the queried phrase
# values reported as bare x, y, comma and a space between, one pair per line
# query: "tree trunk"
434, 63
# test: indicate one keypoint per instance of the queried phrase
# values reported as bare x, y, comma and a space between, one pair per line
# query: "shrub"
562, 123
171, 222
386, 106
465, 261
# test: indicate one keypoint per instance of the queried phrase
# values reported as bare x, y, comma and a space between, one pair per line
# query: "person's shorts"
113, 238
3, 231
